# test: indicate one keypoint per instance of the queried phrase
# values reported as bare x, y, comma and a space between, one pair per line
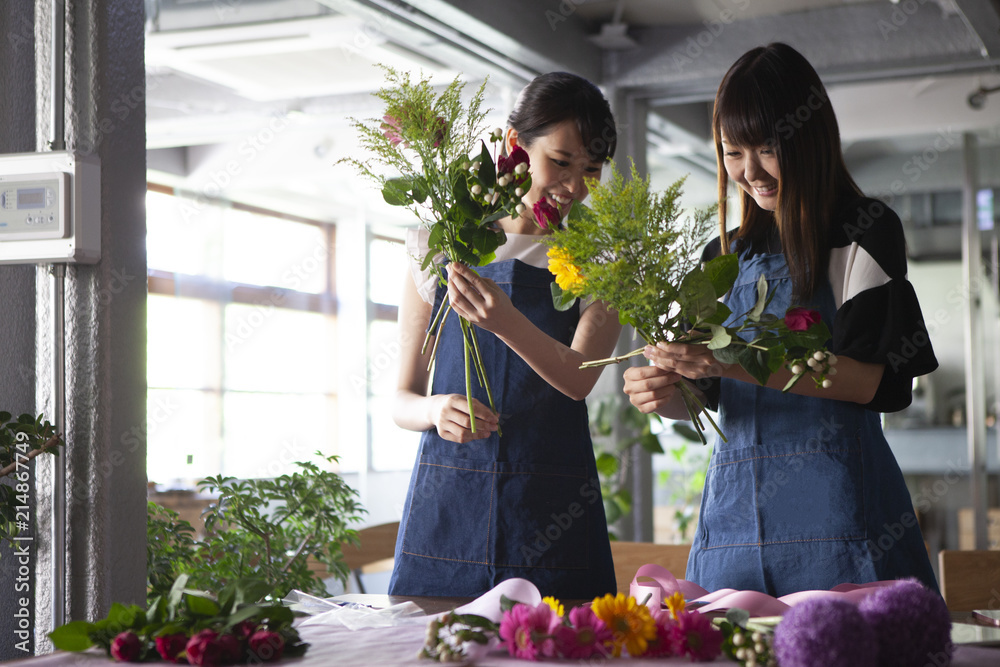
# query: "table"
398, 645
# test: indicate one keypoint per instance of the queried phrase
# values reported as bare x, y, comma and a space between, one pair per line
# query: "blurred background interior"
274, 274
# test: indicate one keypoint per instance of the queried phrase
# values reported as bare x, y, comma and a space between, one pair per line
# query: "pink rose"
546, 215
126, 647
267, 645
392, 131
800, 319
508, 163
169, 646
205, 650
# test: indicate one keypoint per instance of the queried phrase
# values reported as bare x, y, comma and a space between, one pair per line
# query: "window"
242, 335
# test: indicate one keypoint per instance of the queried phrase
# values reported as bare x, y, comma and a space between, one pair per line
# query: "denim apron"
526, 504
806, 494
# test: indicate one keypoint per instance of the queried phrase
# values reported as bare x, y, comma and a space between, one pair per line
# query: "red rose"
205, 650
244, 629
232, 648
126, 647
169, 646
508, 163
800, 319
267, 645
546, 215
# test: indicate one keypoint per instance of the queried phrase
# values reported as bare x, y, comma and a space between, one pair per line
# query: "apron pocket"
812, 494
450, 510
729, 519
544, 515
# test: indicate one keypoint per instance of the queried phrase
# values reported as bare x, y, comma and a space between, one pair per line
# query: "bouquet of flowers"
426, 154
630, 250
608, 626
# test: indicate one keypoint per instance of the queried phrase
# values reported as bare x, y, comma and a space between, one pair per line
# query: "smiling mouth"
560, 200
768, 191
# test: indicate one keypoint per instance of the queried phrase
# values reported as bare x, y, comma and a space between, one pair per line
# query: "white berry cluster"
820, 364
752, 649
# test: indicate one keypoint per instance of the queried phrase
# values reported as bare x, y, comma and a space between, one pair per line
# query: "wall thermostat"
50, 208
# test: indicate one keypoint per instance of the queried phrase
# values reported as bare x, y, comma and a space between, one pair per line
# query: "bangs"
745, 114
599, 135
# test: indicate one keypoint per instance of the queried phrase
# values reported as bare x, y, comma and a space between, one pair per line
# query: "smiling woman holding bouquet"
513, 494
806, 493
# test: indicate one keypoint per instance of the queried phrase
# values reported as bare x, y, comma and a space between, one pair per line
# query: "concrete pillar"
17, 292
105, 324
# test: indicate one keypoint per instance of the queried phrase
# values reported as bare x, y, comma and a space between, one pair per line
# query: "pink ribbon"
664, 584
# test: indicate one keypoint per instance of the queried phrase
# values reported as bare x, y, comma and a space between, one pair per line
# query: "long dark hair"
559, 96
773, 97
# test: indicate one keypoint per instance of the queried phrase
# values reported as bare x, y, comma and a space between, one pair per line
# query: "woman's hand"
479, 300
649, 388
450, 415
691, 361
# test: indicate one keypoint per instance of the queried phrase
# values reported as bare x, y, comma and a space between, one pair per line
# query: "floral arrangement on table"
630, 249
192, 626
427, 155
898, 625
608, 627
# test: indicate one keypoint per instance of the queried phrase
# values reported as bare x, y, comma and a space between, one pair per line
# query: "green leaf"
577, 212
435, 237
611, 510
607, 464
201, 606
752, 364
651, 443
487, 170
396, 192
74, 636
728, 355
486, 259
561, 300
697, 296
720, 337
682, 429
738, 616
758, 308
420, 190
623, 499
722, 271
721, 314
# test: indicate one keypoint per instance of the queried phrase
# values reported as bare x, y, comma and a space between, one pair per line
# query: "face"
559, 164
755, 170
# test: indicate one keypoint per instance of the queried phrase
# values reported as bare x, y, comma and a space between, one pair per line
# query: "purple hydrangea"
824, 631
912, 625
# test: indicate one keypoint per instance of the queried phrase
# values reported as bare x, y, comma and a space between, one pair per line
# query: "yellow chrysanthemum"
630, 623
555, 604
567, 274
675, 603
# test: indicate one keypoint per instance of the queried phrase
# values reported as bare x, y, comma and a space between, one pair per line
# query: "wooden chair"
630, 556
970, 579
374, 554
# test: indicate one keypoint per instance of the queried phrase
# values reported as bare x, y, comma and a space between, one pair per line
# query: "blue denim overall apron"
527, 504
806, 494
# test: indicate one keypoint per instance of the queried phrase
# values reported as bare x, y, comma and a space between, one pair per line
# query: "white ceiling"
250, 99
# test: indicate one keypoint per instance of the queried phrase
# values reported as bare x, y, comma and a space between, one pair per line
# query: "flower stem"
484, 381
445, 305
437, 338
611, 360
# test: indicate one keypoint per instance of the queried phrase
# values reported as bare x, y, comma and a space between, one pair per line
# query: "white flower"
465, 165
758, 647
738, 639
497, 134
477, 189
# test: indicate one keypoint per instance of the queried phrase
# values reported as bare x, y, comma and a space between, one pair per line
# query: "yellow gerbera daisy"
567, 274
675, 603
555, 604
631, 624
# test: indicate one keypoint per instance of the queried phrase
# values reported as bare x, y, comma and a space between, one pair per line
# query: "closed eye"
560, 163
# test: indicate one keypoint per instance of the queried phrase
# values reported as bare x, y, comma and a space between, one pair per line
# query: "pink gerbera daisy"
527, 631
662, 645
586, 635
695, 636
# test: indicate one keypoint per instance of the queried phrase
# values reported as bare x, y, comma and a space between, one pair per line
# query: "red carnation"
508, 163
170, 646
267, 645
546, 215
126, 647
800, 319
